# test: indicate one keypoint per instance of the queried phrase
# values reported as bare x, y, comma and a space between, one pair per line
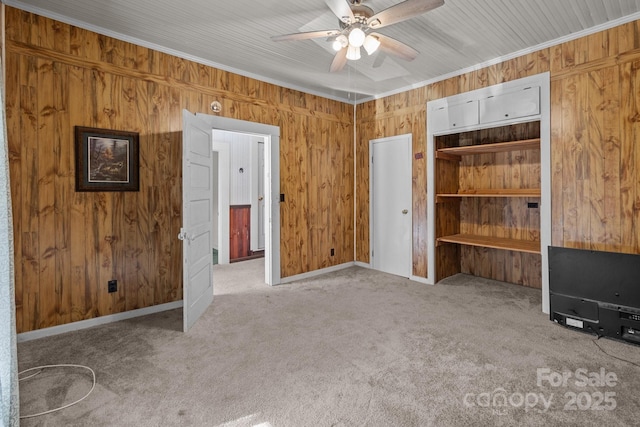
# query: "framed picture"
106, 160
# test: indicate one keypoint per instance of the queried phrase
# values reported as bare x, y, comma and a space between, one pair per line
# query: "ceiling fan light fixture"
371, 44
356, 37
357, 28
340, 42
353, 53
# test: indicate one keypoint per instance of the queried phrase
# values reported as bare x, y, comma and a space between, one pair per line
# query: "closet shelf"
492, 242
452, 153
491, 192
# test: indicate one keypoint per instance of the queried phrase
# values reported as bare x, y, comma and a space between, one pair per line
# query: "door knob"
260, 198
186, 236
405, 211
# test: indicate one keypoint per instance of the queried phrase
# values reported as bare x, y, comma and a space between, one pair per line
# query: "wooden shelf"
451, 153
492, 242
492, 192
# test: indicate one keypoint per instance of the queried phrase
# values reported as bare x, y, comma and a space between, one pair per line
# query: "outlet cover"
112, 286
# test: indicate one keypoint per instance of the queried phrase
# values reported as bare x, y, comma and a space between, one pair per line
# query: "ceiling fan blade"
305, 36
395, 47
380, 57
342, 10
402, 11
339, 61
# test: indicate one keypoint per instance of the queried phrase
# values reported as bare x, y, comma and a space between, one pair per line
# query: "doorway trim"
257, 193
272, 195
223, 150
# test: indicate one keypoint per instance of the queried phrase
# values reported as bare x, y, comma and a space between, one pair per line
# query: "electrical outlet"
333, 252
112, 286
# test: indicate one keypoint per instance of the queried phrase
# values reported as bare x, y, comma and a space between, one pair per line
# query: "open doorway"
254, 176
241, 182
202, 159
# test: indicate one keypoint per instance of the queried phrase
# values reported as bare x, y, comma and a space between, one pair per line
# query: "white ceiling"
234, 35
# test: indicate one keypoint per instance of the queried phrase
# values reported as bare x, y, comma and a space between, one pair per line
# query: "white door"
197, 218
261, 196
390, 194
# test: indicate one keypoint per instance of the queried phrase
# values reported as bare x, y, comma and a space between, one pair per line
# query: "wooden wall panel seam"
595, 65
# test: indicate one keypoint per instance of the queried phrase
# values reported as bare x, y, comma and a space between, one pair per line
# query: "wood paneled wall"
595, 143
69, 244
595, 101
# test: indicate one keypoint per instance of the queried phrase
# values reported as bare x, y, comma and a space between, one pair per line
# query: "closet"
489, 182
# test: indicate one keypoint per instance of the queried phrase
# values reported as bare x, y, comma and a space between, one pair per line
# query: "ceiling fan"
358, 24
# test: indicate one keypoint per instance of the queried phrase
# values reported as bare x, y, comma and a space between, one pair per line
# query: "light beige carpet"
351, 348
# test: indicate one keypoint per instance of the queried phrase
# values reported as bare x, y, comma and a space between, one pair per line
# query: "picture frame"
106, 160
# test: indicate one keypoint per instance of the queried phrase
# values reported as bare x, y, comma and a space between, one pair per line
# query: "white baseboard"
102, 320
420, 280
316, 273
362, 264
412, 277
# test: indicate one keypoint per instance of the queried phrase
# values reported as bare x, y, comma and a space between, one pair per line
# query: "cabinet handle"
405, 211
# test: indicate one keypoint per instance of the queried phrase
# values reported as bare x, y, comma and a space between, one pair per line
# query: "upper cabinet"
507, 102
524, 102
455, 116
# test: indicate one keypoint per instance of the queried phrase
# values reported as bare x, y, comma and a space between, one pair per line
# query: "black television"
596, 292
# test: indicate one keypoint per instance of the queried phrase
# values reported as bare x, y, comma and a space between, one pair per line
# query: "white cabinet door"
508, 106
454, 116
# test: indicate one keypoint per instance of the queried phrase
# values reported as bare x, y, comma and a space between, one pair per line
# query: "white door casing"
197, 218
391, 205
261, 195
271, 136
224, 154
257, 194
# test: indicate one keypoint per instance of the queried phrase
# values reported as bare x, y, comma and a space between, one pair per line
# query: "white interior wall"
216, 207
240, 168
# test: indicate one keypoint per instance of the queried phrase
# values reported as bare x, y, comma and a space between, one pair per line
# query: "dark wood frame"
109, 175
